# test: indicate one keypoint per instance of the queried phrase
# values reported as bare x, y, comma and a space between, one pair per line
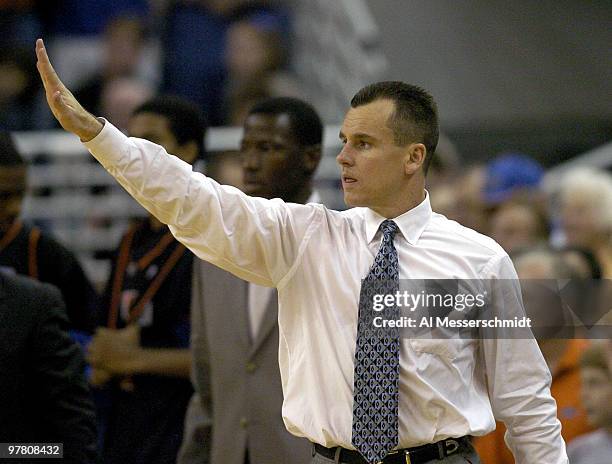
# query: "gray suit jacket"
237, 381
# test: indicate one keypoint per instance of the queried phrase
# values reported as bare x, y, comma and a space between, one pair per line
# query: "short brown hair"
415, 118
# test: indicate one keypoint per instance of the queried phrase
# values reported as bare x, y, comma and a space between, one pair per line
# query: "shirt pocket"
448, 349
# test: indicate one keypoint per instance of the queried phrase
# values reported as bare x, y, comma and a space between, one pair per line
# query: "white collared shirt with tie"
316, 258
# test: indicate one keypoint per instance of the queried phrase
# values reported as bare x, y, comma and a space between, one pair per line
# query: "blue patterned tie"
376, 393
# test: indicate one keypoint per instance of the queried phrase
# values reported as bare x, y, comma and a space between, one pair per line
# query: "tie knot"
389, 229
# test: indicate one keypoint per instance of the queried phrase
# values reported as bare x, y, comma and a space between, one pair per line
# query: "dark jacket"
44, 396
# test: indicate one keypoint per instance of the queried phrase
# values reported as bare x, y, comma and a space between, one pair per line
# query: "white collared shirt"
259, 296
316, 259
258, 300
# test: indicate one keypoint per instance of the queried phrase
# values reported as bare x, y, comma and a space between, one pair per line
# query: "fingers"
99, 377
66, 109
45, 69
132, 331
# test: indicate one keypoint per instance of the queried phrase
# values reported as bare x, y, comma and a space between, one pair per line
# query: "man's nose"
250, 160
345, 157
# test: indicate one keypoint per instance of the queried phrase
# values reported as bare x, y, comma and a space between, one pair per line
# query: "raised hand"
66, 109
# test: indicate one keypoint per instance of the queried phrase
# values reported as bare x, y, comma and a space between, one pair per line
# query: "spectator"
90, 17
561, 355
586, 213
595, 447
189, 69
539, 268
27, 250
44, 397
242, 99
445, 165
582, 261
471, 210
517, 225
255, 56
195, 72
121, 96
510, 175
20, 95
143, 351
123, 45
20, 22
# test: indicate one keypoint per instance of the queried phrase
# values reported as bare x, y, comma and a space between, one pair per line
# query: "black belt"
416, 455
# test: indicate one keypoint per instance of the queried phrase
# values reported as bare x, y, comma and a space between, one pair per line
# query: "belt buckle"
447, 448
450, 442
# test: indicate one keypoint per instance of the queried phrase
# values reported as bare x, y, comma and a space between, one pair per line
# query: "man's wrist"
92, 127
137, 363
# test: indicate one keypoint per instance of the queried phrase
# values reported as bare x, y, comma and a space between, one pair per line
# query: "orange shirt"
565, 389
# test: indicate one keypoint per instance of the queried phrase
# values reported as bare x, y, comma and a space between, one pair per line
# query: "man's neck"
393, 211
302, 195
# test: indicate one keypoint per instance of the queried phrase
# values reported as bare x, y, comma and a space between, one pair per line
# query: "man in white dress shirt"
317, 258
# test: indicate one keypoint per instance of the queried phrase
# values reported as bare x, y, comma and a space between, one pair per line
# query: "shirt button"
244, 422
251, 367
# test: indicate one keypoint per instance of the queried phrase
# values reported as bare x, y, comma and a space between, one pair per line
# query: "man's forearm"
162, 361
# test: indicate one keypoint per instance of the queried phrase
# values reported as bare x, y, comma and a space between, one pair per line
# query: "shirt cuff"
108, 146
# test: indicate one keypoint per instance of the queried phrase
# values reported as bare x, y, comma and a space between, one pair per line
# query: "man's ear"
415, 157
311, 157
188, 152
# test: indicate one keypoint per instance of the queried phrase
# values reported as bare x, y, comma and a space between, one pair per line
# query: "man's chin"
256, 192
352, 201
252, 191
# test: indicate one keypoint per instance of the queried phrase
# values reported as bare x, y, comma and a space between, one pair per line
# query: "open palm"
66, 109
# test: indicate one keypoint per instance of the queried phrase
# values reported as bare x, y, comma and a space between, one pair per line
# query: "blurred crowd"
223, 57
512, 199
221, 54
555, 225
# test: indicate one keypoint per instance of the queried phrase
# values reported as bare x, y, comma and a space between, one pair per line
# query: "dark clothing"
90, 17
190, 70
150, 285
26, 250
44, 396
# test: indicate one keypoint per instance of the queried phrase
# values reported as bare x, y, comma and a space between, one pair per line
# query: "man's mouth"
252, 182
348, 180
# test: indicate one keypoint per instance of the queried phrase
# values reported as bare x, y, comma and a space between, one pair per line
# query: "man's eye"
363, 145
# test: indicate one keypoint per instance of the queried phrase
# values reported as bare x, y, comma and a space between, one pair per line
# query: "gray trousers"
465, 455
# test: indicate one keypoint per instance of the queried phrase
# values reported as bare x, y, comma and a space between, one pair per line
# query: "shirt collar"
411, 223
